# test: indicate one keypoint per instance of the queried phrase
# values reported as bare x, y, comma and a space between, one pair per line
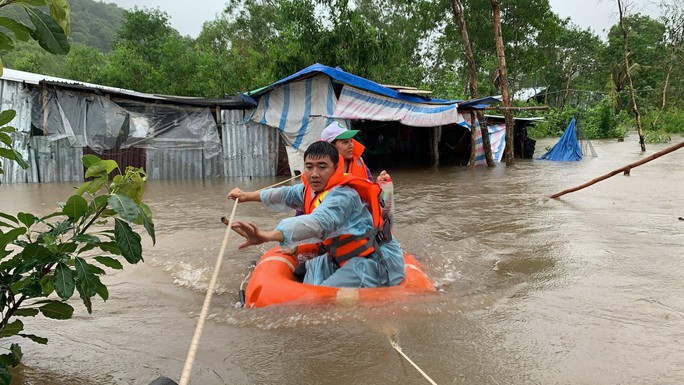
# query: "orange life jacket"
357, 167
347, 246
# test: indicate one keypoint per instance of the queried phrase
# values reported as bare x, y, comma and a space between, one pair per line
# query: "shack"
399, 125
172, 137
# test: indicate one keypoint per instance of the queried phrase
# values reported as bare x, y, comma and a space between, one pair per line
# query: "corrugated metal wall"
13, 96
55, 161
249, 149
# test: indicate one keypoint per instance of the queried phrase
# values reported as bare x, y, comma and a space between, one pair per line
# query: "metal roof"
231, 102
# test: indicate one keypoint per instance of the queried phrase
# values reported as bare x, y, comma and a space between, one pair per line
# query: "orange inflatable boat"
273, 283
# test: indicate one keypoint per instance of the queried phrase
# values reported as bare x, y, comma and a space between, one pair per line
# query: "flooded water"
582, 290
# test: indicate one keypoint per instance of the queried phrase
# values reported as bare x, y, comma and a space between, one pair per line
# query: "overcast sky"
599, 15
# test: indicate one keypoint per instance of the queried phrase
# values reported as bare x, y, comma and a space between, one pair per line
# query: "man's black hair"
322, 149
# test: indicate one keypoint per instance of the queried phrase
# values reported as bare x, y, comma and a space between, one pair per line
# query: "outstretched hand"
251, 232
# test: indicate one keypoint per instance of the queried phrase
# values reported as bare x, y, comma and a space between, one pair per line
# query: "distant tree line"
408, 42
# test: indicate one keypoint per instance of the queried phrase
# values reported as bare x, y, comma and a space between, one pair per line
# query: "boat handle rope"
396, 347
194, 345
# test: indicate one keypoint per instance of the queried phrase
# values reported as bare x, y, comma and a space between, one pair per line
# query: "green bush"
657, 137
671, 121
600, 121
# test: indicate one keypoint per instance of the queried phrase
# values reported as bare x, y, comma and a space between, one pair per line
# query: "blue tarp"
357, 81
567, 149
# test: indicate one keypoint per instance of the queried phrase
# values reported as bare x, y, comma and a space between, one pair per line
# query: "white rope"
398, 348
185, 377
194, 345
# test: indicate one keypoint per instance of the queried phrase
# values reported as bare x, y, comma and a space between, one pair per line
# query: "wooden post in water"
624, 169
503, 81
473, 142
459, 15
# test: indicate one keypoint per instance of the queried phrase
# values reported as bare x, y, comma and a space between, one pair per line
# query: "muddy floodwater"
588, 289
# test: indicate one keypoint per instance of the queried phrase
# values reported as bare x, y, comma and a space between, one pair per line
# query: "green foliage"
657, 137
597, 122
58, 253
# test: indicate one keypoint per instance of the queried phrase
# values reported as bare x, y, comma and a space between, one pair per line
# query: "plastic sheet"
97, 122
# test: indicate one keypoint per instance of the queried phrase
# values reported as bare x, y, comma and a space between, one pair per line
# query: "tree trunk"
635, 108
503, 76
457, 7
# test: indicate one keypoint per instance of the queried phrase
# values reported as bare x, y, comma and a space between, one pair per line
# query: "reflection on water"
586, 289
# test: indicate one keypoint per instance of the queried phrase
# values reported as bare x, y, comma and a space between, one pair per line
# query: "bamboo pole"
624, 169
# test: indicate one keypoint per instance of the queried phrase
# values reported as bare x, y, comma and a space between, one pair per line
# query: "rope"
398, 348
194, 345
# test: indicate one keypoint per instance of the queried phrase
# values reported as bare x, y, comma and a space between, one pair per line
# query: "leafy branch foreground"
65, 252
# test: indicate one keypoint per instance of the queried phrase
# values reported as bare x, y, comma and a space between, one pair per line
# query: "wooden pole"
503, 80
472, 140
635, 108
459, 15
624, 169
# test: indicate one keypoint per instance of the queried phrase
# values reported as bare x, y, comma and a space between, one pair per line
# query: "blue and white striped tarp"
497, 139
357, 104
299, 111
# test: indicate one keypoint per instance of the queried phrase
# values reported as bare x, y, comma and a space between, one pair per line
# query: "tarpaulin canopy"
357, 104
567, 149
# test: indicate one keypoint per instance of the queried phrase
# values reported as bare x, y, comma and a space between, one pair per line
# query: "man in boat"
356, 249
351, 150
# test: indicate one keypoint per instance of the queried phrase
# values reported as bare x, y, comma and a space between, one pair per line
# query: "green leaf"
101, 168
12, 329
9, 217
6, 42
128, 241
35, 251
48, 33
10, 236
109, 262
5, 376
99, 202
86, 238
124, 206
66, 248
64, 281
21, 32
4, 138
7, 153
86, 300
28, 312
47, 283
89, 160
60, 228
27, 219
85, 276
35, 3
146, 215
102, 290
20, 160
57, 310
8, 129
13, 358
110, 247
7, 116
35, 338
61, 12
75, 207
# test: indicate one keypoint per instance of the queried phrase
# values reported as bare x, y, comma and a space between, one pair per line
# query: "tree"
61, 253
502, 77
635, 108
457, 8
